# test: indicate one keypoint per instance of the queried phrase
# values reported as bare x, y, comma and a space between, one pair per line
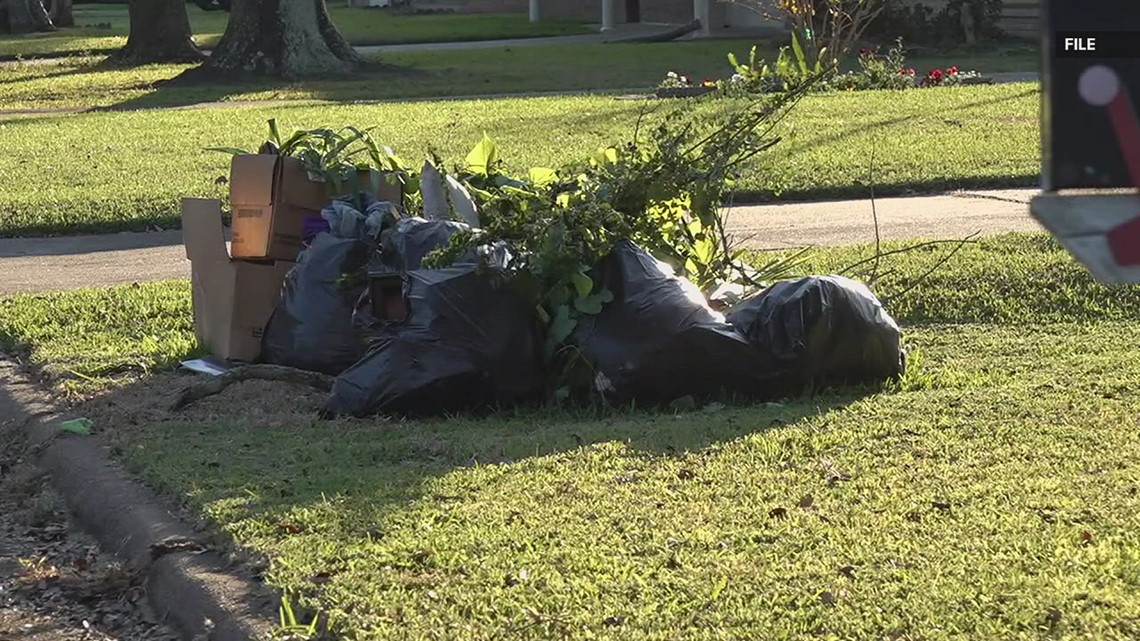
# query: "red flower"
951, 71
935, 74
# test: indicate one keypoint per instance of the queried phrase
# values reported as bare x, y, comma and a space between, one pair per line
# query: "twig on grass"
216, 384
879, 254
875, 218
918, 281
930, 243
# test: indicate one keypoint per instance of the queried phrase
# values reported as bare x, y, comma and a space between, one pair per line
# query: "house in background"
1020, 18
715, 16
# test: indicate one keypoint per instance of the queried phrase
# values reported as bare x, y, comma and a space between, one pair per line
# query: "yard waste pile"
425, 292
658, 340
312, 327
464, 344
822, 329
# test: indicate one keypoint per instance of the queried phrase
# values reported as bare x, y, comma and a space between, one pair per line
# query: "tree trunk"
19, 17
26, 16
967, 19
40, 16
160, 32
286, 38
61, 13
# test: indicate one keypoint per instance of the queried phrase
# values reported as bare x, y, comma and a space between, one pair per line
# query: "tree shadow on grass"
201, 84
262, 446
105, 64
863, 128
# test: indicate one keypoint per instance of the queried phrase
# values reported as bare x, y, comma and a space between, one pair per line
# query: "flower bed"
678, 86
875, 71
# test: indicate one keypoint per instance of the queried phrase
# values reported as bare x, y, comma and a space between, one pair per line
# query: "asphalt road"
46, 264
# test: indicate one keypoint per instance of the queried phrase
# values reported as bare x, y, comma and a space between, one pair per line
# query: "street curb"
187, 583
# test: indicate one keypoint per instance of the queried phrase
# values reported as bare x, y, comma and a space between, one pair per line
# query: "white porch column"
607, 15
701, 12
534, 11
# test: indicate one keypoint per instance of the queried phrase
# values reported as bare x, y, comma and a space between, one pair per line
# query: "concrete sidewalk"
621, 33
45, 264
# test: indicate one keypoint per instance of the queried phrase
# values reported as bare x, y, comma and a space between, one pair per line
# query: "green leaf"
560, 296
820, 59
542, 176
690, 266
799, 50
228, 150
588, 305
593, 304
274, 134
482, 157
79, 426
583, 284
560, 329
606, 156
704, 251
783, 66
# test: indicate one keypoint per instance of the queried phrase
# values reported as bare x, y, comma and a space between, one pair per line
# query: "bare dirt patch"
257, 404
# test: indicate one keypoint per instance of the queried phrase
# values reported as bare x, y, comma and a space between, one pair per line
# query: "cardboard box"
233, 299
271, 196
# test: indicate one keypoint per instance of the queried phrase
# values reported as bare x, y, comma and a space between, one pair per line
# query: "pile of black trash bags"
467, 341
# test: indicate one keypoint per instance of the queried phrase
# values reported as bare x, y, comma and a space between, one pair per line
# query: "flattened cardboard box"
271, 197
233, 299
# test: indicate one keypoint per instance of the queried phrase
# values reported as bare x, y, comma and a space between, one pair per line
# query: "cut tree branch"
263, 372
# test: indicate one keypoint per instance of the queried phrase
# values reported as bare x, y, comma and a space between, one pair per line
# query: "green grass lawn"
88, 82
127, 171
993, 495
102, 28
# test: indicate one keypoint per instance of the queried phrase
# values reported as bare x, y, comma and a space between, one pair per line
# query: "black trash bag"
823, 329
312, 327
412, 239
466, 343
410, 377
658, 340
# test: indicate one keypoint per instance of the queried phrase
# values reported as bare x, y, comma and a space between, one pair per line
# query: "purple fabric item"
313, 226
